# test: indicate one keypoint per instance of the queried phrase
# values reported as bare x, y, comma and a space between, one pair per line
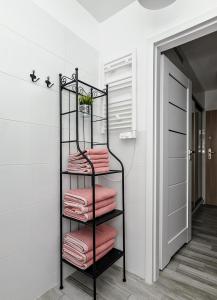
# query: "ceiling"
103, 9
202, 57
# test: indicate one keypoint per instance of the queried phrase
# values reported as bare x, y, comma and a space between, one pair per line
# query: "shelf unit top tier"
83, 89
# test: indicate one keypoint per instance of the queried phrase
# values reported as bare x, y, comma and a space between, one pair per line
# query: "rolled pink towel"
80, 209
89, 215
84, 196
82, 240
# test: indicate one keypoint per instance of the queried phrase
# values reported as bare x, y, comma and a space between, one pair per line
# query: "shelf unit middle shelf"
99, 220
89, 174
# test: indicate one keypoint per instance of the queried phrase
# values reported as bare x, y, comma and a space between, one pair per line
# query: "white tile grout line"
25, 164
30, 123
28, 205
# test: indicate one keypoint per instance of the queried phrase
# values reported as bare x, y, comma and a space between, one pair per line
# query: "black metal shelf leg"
124, 253
61, 188
94, 236
94, 288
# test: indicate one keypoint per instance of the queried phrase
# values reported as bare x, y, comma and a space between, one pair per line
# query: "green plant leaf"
85, 99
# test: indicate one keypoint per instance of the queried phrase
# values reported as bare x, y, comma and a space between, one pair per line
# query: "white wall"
29, 130
135, 27
211, 100
75, 17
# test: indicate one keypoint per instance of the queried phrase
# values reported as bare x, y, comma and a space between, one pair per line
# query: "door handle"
210, 152
190, 152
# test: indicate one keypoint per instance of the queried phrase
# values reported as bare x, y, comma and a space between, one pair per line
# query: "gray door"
175, 177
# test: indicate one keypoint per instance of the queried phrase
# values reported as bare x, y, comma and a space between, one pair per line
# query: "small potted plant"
85, 103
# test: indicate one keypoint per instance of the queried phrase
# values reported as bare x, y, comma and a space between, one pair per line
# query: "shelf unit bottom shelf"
101, 265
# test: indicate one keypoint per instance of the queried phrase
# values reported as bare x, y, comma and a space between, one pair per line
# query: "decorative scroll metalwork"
81, 90
70, 84
96, 94
67, 80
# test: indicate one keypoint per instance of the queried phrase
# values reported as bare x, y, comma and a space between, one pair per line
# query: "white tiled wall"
132, 153
29, 148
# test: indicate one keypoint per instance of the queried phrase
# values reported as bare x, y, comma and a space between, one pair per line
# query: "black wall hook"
33, 76
48, 83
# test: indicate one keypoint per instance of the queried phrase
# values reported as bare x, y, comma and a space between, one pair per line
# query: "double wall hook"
48, 83
33, 76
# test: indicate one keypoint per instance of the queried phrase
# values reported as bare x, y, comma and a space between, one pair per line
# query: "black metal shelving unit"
76, 86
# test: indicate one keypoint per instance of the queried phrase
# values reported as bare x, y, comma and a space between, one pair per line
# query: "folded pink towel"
82, 240
80, 209
96, 151
85, 257
92, 154
98, 156
84, 161
99, 160
89, 215
78, 156
86, 265
84, 196
87, 165
87, 170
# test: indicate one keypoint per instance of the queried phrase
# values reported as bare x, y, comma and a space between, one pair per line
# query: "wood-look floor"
191, 274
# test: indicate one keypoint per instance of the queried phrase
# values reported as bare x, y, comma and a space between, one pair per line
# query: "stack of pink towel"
78, 202
98, 156
78, 245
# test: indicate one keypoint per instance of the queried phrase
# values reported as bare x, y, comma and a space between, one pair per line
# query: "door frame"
202, 26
